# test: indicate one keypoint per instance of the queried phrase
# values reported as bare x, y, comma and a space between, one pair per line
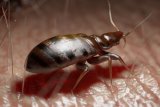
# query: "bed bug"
64, 50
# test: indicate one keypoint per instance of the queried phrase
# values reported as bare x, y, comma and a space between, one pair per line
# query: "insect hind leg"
82, 66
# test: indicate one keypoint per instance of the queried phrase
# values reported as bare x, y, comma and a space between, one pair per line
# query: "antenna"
139, 24
110, 16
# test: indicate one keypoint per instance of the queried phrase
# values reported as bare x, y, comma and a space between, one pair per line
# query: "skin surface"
138, 87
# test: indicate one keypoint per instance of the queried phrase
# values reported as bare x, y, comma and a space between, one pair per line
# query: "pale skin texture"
28, 28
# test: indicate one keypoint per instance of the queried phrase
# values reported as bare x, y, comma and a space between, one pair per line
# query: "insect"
64, 50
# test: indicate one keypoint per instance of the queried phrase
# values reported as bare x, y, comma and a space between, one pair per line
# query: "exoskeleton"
64, 50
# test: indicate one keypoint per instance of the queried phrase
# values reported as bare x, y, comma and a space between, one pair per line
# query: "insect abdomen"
59, 52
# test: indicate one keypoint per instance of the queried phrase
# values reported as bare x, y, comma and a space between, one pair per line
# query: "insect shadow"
43, 85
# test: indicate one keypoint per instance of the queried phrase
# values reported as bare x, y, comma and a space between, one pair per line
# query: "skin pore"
31, 26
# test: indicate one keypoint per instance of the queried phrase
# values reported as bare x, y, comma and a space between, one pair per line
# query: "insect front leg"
100, 59
82, 66
117, 57
107, 57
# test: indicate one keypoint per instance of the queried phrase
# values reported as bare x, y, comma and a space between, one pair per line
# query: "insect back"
59, 52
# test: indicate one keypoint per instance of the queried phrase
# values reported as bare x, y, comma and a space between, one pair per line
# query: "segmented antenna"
110, 16
139, 24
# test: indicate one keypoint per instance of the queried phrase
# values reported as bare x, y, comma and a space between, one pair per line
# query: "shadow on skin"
35, 83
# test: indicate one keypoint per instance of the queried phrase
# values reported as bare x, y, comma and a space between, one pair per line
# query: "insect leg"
83, 67
117, 57
107, 56
99, 59
110, 68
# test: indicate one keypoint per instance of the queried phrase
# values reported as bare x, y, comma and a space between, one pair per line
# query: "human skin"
138, 86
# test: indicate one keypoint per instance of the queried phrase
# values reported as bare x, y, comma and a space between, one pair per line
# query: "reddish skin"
37, 82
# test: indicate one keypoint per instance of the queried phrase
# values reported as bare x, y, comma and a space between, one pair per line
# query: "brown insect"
64, 50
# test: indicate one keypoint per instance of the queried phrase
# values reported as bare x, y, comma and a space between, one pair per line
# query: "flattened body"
59, 52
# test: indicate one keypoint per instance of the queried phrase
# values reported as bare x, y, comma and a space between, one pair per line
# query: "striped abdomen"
59, 52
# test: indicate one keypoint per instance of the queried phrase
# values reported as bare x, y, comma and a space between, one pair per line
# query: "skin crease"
31, 26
